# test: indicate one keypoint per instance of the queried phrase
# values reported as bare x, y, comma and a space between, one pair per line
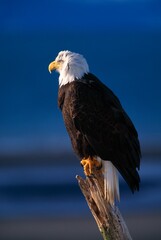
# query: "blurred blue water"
52, 191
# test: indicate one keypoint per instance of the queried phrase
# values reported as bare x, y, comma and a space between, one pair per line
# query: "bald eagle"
101, 133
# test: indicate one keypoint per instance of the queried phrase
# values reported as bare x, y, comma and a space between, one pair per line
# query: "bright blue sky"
120, 39
68, 14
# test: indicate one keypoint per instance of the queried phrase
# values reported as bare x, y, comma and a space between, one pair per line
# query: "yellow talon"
89, 164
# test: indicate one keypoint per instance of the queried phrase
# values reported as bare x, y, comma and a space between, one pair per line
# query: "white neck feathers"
74, 67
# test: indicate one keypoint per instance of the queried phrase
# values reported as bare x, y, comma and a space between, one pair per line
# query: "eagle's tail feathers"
111, 182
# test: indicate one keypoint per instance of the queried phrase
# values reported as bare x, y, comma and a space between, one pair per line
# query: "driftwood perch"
107, 217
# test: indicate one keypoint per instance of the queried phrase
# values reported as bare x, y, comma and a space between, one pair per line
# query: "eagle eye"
59, 60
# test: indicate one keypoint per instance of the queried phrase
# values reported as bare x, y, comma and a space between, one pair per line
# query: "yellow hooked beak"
53, 66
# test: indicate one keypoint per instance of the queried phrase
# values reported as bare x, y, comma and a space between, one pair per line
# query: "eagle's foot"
89, 164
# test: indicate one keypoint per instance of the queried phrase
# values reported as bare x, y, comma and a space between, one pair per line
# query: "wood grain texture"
108, 218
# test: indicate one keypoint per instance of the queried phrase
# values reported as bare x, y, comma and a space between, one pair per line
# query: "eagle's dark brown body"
98, 126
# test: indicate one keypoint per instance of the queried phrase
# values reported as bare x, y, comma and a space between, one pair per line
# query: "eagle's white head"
70, 65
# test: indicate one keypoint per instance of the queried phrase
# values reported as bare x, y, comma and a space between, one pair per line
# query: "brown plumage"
98, 126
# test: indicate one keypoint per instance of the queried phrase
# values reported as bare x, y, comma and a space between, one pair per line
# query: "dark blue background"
121, 41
